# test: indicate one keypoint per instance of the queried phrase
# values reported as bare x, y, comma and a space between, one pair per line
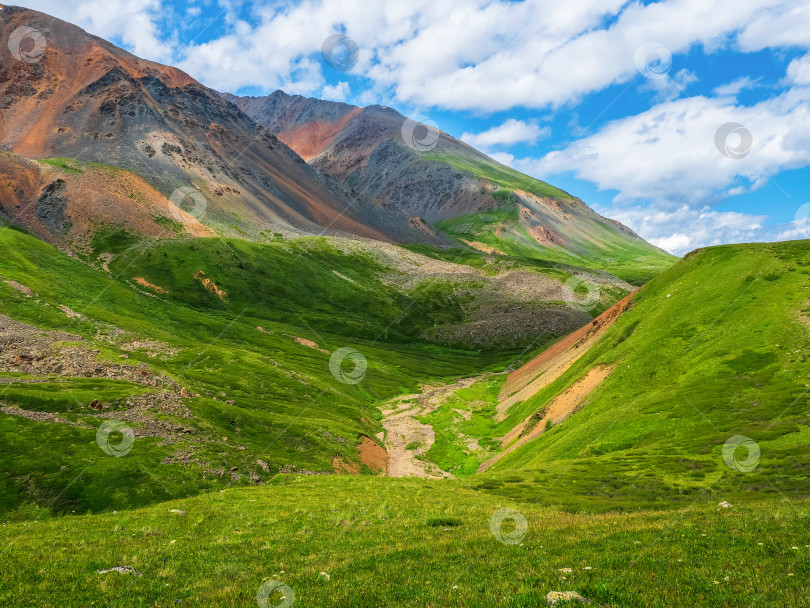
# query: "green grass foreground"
406, 543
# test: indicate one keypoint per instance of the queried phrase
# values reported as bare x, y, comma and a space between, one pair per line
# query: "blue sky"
624, 104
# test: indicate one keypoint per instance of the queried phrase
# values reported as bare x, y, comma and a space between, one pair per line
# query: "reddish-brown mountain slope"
89, 100
366, 150
65, 206
404, 165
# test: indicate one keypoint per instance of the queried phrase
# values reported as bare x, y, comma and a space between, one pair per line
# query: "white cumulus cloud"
669, 155
798, 71
509, 133
683, 229
134, 23
480, 55
338, 92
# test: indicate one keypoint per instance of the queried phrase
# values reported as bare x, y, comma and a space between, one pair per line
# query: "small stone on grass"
121, 570
554, 597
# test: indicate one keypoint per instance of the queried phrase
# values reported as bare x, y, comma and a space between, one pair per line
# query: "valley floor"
370, 542
407, 439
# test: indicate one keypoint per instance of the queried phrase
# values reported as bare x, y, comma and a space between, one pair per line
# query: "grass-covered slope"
508, 231
369, 542
714, 348
505, 178
257, 389
218, 354
370, 291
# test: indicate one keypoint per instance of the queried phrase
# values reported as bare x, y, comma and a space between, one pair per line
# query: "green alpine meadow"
279, 349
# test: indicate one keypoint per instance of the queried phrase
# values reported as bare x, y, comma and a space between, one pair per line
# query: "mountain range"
401, 163
282, 350
225, 162
160, 127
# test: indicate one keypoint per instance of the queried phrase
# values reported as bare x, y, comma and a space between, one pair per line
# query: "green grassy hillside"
305, 283
633, 260
498, 174
624, 493
247, 329
260, 393
716, 347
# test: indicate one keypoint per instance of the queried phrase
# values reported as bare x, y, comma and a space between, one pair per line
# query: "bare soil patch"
209, 285
310, 344
555, 360
373, 455
144, 283
558, 410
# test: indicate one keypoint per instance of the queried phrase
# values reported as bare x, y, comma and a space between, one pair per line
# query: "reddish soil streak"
521, 377
311, 139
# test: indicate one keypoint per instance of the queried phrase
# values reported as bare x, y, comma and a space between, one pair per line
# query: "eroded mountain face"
408, 165
85, 99
367, 150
